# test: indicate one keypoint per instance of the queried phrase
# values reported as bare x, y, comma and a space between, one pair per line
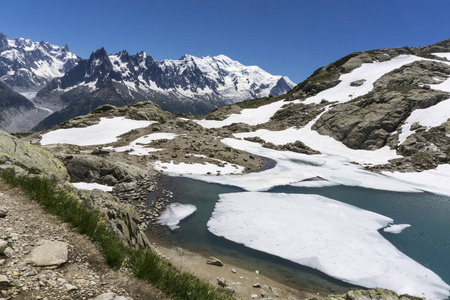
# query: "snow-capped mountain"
27, 66
188, 85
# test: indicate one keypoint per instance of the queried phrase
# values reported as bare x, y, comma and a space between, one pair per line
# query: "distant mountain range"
28, 66
69, 86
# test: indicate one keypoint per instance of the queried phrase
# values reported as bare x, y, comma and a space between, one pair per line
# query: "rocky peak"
3, 41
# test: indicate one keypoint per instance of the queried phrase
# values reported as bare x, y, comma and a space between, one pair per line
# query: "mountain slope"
17, 113
27, 66
189, 85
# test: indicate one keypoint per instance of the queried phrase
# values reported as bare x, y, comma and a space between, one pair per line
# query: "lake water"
427, 240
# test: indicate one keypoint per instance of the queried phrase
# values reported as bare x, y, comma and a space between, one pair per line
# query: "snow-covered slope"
27, 66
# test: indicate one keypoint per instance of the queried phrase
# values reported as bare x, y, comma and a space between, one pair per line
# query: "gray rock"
357, 82
69, 287
9, 252
214, 261
3, 211
3, 246
111, 296
4, 281
222, 282
50, 254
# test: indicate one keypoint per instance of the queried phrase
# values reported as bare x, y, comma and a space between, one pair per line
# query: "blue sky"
284, 37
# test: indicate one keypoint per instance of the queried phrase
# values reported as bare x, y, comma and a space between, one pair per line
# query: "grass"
144, 264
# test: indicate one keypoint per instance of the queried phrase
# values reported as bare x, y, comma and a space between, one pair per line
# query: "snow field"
105, 132
250, 116
336, 238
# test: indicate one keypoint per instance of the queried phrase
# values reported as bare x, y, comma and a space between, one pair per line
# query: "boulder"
214, 261
49, 254
30, 158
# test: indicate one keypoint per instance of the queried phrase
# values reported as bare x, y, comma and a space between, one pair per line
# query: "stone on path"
3, 246
50, 254
3, 211
110, 296
4, 281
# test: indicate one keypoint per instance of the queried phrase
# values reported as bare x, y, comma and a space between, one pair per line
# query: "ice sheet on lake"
396, 228
92, 186
174, 213
105, 132
293, 168
339, 239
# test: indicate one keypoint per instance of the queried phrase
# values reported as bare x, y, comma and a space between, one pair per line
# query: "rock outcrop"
26, 158
367, 122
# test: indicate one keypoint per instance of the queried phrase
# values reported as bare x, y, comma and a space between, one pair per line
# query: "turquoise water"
426, 241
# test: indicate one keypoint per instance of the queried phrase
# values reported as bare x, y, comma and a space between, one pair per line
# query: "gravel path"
85, 275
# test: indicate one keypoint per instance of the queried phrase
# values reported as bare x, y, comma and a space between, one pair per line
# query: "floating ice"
105, 132
92, 186
336, 238
396, 228
294, 168
174, 213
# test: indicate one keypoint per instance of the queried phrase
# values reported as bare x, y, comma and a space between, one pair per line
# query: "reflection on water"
426, 241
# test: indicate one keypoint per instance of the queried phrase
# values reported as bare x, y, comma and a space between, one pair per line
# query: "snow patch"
105, 132
250, 116
138, 146
429, 117
92, 186
197, 168
336, 238
370, 72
